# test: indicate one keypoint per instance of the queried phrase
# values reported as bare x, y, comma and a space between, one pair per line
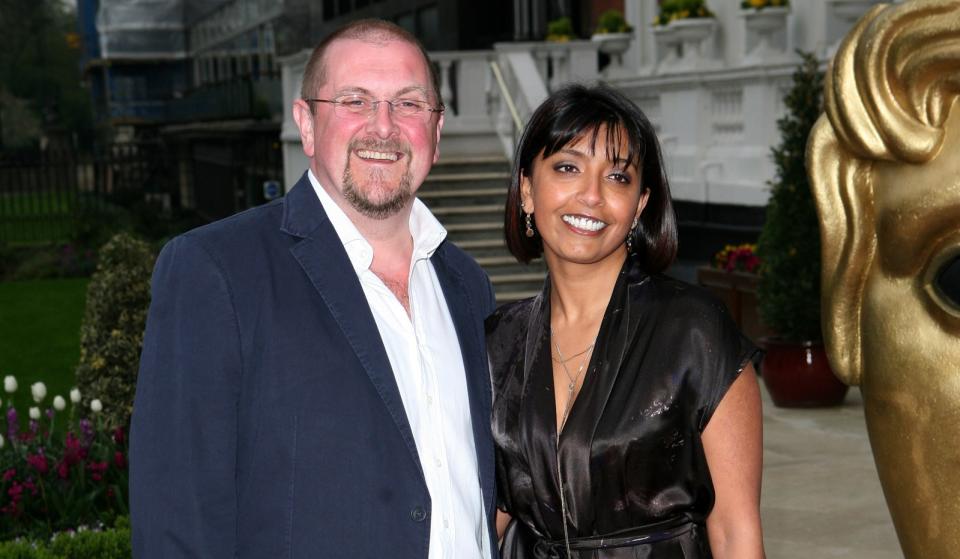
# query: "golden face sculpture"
884, 163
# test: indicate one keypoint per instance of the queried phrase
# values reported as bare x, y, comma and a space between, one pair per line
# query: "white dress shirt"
424, 353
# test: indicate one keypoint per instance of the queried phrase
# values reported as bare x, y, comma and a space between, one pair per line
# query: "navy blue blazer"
267, 421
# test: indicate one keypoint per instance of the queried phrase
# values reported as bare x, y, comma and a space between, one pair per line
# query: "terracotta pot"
798, 375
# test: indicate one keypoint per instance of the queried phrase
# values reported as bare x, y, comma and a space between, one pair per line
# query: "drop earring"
631, 233
529, 222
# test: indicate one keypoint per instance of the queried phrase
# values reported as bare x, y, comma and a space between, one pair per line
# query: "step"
472, 160
462, 213
468, 209
433, 194
510, 296
498, 260
467, 177
474, 244
517, 278
492, 226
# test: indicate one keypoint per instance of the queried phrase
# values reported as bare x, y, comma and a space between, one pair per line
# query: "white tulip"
1, 441
35, 413
59, 403
96, 406
10, 384
75, 395
39, 391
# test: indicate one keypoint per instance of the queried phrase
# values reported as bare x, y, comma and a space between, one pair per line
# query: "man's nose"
381, 120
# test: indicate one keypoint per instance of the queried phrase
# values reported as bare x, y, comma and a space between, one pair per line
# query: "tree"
789, 245
39, 66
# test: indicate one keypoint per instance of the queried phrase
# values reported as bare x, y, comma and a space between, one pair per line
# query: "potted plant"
760, 5
795, 368
674, 10
682, 27
764, 19
614, 34
560, 30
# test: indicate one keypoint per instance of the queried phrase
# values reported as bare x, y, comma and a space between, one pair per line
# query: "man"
313, 380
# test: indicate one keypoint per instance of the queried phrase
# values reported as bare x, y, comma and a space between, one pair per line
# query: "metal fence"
43, 195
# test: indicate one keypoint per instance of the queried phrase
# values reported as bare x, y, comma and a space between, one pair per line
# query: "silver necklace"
561, 359
563, 421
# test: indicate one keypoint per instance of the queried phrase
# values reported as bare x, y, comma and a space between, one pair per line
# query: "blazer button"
417, 514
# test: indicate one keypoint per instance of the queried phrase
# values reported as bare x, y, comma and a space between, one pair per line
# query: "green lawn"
40, 335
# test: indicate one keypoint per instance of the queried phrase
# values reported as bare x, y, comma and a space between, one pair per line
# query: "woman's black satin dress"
635, 476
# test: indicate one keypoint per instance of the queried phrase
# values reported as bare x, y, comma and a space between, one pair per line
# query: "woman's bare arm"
733, 443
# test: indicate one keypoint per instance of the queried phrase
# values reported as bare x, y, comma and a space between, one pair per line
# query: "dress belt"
646, 534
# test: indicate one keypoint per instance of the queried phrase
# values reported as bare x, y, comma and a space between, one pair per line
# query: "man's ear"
304, 119
436, 149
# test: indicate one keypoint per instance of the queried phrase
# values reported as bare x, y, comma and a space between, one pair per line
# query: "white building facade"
712, 87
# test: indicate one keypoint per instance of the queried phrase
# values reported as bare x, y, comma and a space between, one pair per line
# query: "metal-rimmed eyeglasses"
364, 105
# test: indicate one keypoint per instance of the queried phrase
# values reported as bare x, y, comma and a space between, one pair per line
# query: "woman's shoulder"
509, 317
686, 299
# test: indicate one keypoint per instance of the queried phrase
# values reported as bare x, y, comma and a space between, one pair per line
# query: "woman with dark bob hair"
626, 411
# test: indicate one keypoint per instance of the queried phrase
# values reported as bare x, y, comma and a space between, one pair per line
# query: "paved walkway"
821, 495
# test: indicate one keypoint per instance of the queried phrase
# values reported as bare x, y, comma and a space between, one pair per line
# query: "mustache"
374, 144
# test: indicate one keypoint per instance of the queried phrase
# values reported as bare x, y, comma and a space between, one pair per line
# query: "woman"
626, 410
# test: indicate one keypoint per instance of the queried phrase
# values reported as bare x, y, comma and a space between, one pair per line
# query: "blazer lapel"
325, 262
461, 303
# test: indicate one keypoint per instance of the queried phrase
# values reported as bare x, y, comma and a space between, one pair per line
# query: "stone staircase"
467, 194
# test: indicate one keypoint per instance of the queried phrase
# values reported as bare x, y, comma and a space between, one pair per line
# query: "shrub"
671, 10
66, 260
51, 483
106, 544
761, 4
111, 335
560, 29
612, 21
789, 245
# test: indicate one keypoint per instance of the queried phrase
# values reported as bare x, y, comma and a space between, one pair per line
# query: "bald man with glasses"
314, 380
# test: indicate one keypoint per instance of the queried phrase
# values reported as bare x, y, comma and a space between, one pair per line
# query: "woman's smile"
583, 224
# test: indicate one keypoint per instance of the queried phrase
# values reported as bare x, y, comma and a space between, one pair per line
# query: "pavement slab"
821, 494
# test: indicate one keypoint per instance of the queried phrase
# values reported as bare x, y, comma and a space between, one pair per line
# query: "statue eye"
947, 280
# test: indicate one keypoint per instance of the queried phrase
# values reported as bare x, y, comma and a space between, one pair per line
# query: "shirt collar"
426, 231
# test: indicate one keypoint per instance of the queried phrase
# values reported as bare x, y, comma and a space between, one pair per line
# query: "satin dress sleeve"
631, 460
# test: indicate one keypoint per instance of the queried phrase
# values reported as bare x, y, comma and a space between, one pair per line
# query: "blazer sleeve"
183, 445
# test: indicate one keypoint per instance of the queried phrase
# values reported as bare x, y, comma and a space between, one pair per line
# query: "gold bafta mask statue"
884, 163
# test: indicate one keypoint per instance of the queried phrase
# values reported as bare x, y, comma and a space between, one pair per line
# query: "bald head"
374, 31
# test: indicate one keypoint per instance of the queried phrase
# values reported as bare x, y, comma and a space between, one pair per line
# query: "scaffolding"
143, 29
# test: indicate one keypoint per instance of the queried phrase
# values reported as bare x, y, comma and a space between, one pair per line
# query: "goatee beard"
383, 209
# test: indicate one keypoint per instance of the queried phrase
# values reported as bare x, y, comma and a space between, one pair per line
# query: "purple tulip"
86, 427
12, 424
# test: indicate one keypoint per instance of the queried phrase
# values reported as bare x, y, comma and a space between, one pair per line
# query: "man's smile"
371, 155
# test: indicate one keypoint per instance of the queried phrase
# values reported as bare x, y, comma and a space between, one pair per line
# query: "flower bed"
52, 483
